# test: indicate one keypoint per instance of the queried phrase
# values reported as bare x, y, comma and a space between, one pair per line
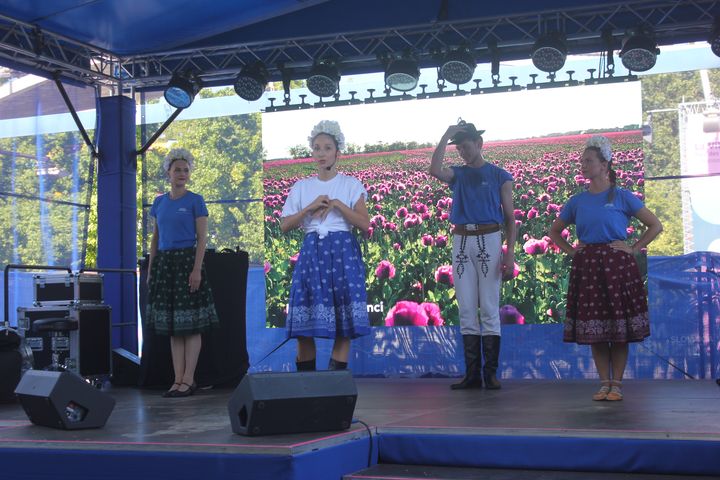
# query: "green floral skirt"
172, 309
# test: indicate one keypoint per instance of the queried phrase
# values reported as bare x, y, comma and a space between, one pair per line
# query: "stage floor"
655, 410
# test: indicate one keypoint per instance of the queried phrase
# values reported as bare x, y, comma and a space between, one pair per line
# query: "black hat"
469, 132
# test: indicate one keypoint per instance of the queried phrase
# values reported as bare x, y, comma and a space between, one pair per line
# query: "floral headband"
328, 127
602, 144
178, 154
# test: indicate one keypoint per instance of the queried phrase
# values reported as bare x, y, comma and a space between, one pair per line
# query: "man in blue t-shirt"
482, 208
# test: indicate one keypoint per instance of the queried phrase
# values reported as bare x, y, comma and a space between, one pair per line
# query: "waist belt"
476, 229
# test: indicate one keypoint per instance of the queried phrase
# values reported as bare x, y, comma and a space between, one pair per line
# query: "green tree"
665, 92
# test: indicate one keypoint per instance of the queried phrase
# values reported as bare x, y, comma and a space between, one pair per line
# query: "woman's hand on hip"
622, 246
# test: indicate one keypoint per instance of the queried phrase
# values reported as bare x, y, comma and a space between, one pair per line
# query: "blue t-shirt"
176, 219
476, 194
598, 221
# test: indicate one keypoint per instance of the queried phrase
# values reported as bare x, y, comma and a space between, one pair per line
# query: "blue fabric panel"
23, 464
117, 211
610, 454
684, 302
684, 308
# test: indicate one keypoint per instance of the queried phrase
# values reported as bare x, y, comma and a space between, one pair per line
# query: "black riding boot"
336, 365
491, 353
306, 366
471, 346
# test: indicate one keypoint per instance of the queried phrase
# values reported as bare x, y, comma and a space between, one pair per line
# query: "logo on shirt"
183, 210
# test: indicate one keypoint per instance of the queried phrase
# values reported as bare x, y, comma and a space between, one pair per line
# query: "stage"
416, 426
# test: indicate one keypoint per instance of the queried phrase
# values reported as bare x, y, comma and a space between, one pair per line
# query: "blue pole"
117, 212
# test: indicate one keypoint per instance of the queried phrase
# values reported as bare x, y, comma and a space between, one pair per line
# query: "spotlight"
181, 89
251, 81
639, 50
402, 75
714, 39
458, 66
324, 79
549, 52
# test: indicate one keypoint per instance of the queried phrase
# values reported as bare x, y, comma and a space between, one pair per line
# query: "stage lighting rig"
549, 52
714, 39
182, 88
639, 49
324, 79
251, 81
402, 74
458, 66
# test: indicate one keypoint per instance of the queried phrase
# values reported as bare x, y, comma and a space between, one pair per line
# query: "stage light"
324, 79
251, 81
714, 39
458, 66
402, 74
639, 50
549, 52
181, 89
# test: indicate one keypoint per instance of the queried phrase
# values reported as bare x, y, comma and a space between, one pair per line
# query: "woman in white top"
327, 296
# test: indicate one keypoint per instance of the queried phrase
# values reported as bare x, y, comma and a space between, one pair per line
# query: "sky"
504, 116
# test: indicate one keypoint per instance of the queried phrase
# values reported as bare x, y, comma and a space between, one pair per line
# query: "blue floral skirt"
327, 296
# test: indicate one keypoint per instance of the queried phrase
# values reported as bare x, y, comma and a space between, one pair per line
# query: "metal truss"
23, 44
674, 21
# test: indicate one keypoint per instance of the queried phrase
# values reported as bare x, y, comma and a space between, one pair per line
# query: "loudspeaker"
297, 402
63, 400
125, 368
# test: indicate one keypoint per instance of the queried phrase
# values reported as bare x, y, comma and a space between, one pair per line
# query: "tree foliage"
661, 95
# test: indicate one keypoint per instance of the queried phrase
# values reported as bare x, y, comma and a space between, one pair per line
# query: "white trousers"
477, 276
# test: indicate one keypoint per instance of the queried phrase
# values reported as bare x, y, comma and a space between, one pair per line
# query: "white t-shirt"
342, 187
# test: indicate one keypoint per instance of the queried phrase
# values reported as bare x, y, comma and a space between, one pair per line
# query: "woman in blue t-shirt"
606, 299
180, 302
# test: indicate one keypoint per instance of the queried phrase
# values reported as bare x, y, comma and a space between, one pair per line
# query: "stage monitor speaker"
297, 402
63, 400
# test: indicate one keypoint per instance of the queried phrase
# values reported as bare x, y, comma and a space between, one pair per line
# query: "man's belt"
476, 228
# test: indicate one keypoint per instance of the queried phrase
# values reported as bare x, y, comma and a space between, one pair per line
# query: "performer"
482, 208
327, 296
180, 302
606, 299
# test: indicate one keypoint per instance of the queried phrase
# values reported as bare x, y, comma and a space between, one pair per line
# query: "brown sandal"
615, 393
602, 394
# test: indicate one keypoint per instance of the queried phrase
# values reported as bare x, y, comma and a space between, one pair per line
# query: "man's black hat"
469, 132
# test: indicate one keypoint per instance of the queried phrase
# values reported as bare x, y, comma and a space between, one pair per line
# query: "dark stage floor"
142, 420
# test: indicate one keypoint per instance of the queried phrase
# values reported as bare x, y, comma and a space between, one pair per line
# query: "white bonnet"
602, 144
178, 154
329, 127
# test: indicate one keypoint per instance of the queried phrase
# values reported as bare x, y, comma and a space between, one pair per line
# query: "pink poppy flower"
293, 259
444, 275
509, 315
408, 313
432, 310
385, 269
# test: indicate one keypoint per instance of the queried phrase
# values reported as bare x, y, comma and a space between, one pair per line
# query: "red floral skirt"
606, 300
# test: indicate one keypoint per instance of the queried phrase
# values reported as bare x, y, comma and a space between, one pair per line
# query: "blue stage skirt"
327, 296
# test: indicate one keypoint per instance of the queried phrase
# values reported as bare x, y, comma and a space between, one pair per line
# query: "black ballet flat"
170, 393
184, 393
